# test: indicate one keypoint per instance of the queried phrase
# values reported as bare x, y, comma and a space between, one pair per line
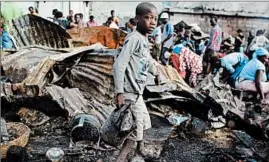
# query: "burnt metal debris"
34, 30
79, 81
69, 94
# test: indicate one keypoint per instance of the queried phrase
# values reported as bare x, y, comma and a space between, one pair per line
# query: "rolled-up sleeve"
121, 63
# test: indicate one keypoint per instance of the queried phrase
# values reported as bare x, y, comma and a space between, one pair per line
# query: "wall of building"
229, 24
126, 10
123, 10
260, 8
100, 10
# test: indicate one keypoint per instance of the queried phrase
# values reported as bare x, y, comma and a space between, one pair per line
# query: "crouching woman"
253, 76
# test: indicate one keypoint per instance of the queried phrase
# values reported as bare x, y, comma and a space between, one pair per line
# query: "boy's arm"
122, 62
170, 33
153, 67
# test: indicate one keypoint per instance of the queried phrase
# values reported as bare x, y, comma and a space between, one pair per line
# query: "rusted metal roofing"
18, 65
87, 72
34, 30
109, 37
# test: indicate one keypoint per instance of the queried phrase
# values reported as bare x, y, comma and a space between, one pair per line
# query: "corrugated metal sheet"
109, 37
88, 74
34, 30
70, 99
93, 75
18, 65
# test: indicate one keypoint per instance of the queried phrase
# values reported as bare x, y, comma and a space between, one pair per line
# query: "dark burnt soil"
215, 146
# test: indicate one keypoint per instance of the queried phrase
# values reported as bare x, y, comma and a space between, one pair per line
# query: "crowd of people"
245, 66
77, 20
245, 62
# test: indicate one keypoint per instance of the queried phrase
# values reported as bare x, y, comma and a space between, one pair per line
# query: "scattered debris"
19, 136
17, 154
85, 127
55, 154
32, 117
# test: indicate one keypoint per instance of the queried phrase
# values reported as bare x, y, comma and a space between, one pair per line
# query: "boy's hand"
157, 80
119, 99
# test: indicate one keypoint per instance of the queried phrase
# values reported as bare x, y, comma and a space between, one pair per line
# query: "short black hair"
77, 14
239, 31
81, 15
144, 8
30, 8
91, 17
215, 18
58, 14
132, 21
54, 11
259, 32
112, 11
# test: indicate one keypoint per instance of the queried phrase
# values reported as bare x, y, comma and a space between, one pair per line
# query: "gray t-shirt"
132, 65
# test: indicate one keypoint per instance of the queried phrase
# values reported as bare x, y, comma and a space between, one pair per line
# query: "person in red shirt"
115, 18
91, 22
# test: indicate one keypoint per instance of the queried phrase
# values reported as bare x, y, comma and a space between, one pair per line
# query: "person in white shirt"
259, 41
167, 36
111, 23
157, 39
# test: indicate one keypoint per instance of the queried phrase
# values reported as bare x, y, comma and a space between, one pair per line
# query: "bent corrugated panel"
34, 30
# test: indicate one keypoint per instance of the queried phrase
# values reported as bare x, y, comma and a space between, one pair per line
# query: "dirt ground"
214, 146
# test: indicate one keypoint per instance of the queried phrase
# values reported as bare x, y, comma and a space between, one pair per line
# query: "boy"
130, 73
232, 64
167, 36
239, 41
60, 20
114, 18
157, 36
214, 45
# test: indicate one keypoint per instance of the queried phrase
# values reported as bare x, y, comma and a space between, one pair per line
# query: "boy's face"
77, 18
147, 22
31, 10
213, 22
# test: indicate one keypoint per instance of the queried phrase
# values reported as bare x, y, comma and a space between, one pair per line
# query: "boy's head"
112, 12
132, 22
54, 11
165, 17
259, 32
146, 16
213, 21
81, 16
215, 62
31, 9
91, 18
77, 17
240, 32
71, 12
58, 14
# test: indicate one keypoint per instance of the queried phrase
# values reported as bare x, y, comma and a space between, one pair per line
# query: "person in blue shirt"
167, 36
253, 76
233, 65
188, 43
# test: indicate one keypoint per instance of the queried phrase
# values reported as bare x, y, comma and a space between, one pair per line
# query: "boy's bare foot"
126, 148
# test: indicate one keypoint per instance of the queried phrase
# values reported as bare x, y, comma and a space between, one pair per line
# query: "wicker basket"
22, 131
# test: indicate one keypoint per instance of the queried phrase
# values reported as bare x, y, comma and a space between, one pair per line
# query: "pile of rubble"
69, 93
